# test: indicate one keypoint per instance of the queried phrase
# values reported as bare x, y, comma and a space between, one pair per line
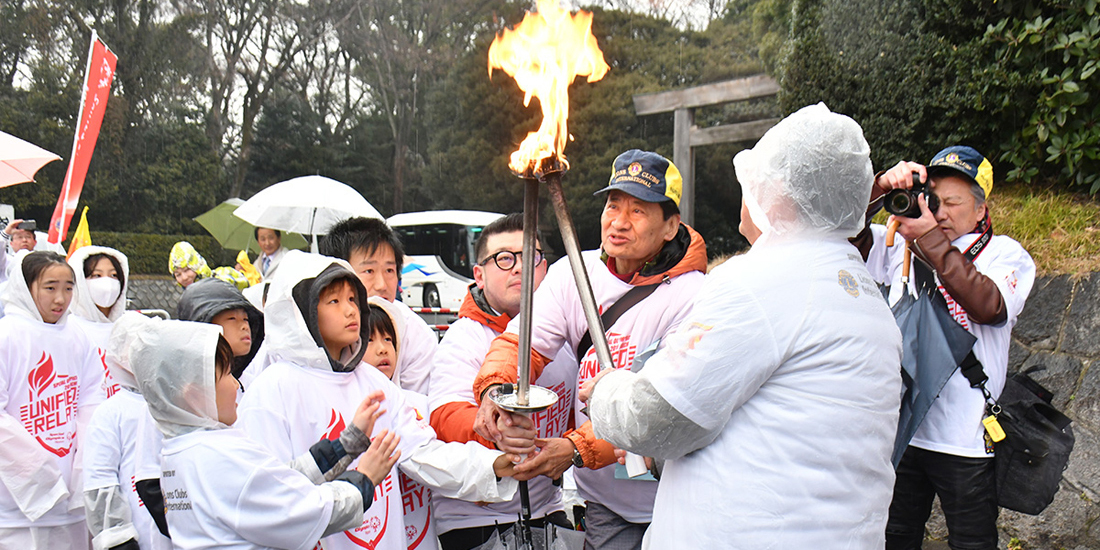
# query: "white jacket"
50, 383
300, 399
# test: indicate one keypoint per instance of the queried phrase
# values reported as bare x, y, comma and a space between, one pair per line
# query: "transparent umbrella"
309, 205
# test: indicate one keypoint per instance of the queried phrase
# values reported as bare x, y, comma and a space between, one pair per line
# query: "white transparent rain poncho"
810, 176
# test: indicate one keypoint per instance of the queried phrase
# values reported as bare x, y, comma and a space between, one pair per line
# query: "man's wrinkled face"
959, 211
377, 271
502, 286
633, 230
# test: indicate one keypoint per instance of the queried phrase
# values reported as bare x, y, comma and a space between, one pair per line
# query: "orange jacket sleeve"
596, 453
455, 422
500, 363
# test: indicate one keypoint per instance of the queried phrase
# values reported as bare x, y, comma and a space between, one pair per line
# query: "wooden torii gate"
687, 135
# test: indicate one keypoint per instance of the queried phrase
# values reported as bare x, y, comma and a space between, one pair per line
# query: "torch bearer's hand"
590, 385
517, 434
485, 424
554, 457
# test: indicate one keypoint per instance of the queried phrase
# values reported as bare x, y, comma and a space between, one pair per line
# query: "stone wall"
1060, 329
153, 292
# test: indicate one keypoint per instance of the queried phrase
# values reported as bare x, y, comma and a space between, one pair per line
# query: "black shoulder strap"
612, 314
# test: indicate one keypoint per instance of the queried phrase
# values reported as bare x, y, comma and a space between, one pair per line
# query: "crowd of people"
294, 402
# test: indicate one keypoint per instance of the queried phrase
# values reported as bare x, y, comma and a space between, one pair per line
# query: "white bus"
439, 254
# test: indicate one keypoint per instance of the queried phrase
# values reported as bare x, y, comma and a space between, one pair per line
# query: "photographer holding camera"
984, 280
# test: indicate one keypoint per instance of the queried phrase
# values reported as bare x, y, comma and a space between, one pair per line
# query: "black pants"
968, 495
472, 537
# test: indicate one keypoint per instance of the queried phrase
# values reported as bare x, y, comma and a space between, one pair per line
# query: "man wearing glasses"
493, 301
648, 259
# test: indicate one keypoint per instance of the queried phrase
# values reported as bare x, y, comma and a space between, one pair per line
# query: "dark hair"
91, 261
223, 358
256, 232
365, 234
377, 320
669, 208
37, 262
508, 224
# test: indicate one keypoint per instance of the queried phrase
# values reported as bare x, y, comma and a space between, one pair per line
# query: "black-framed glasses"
506, 259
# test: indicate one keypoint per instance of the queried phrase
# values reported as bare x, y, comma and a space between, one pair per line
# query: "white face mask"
104, 291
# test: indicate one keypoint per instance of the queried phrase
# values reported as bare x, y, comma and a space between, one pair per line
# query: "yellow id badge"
993, 428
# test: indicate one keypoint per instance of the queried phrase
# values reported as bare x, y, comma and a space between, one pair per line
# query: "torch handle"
580, 275
527, 287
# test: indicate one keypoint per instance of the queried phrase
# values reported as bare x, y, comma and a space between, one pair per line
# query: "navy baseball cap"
967, 161
646, 176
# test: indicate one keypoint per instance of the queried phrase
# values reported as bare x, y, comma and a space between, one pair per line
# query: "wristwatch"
577, 460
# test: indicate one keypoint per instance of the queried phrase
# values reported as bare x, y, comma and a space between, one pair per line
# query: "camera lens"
898, 202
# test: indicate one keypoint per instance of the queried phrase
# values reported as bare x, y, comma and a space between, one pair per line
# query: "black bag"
1030, 460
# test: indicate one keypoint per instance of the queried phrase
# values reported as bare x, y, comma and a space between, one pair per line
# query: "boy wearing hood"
317, 340
220, 303
222, 489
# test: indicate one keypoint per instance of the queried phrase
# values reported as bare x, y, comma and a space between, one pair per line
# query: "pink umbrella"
19, 160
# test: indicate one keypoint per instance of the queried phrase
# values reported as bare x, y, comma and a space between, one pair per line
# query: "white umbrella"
19, 160
309, 204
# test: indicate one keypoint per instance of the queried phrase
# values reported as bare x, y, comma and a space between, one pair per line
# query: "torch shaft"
527, 287
580, 275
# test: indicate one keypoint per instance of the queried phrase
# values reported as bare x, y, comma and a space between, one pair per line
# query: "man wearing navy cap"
647, 256
984, 280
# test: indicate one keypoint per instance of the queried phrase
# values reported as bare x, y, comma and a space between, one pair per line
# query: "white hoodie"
300, 399
50, 382
221, 489
87, 316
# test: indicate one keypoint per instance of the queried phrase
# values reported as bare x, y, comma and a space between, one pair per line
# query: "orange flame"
544, 53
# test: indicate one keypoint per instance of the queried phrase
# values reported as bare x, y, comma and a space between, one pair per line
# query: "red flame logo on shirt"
335, 426
42, 376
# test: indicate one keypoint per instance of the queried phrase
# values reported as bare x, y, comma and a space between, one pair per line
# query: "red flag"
97, 87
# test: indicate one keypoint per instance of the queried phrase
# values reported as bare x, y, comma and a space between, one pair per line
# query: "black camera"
903, 202
27, 225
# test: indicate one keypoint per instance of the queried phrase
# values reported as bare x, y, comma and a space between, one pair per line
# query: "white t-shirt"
791, 355
288, 408
560, 321
49, 374
954, 423
222, 490
98, 334
416, 499
458, 361
123, 447
416, 359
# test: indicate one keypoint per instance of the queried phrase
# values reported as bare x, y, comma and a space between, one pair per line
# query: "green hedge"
148, 254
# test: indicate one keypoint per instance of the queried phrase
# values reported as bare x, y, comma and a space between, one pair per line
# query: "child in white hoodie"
223, 490
50, 383
318, 338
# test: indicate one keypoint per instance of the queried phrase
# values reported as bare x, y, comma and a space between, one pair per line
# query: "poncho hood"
17, 294
173, 363
810, 174
290, 316
120, 347
85, 307
205, 299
